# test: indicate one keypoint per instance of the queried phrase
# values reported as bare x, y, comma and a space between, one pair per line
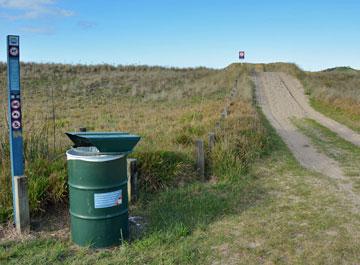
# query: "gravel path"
281, 98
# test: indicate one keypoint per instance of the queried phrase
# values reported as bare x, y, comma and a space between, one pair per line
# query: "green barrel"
98, 197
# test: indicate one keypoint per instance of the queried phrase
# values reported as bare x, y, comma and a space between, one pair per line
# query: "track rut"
282, 98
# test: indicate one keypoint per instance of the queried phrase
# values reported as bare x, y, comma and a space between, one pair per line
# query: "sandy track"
281, 98
295, 89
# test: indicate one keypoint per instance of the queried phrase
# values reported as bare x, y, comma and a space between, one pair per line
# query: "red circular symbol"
15, 104
14, 51
15, 114
16, 125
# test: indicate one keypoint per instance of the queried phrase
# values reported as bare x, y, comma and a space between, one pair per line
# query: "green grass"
336, 94
347, 154
277, 214
351, 120
258, 207
175, 216
168, 107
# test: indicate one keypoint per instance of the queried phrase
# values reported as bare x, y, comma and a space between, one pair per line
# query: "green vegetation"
336, 94
278, 213
168, 107
341, 69
347, 154
258, 205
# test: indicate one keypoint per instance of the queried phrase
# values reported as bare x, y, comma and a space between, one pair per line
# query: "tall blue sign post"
19, 185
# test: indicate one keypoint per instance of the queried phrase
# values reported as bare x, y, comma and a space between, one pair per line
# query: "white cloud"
32, 9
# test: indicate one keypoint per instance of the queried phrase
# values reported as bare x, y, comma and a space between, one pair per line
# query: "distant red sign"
241, 55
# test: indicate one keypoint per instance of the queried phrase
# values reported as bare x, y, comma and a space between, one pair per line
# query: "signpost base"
22, 205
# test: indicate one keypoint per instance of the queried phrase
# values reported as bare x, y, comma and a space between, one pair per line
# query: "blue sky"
314, 34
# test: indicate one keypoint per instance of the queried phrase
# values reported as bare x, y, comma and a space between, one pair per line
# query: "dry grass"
253, 211
337, 94
168, 107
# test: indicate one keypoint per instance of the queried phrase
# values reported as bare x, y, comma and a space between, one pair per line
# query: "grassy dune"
168, 107
337, 94
257, 207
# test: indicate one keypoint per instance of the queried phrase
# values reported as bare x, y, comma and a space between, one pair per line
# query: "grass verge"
347, 154
349, 119
278, 213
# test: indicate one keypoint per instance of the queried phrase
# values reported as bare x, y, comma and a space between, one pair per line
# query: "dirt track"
281, 98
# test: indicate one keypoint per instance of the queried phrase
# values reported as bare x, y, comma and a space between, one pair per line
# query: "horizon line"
180, 67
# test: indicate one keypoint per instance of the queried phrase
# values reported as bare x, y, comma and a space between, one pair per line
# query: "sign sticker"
15, 114
14, 73
14, 51
16, 125
14, 40
15, 104
107, 199
241, 55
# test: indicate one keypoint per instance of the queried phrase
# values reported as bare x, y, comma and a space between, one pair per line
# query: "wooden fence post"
200, 158
211, 140
226, 111
217, 125
133, 187
223, 115
22, 205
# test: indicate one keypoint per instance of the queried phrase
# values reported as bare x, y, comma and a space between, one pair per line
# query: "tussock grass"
168, 107
251, 211
276, 213
347, 154
337, 94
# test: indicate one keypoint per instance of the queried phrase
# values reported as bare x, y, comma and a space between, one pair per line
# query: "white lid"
90, 154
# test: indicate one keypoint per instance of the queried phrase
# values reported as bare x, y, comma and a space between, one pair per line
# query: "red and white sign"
15, 114
16, 125
241, 55
14, 51
15, 104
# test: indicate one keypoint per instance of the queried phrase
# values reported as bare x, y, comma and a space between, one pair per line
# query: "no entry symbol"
14, 51
16, 125
15, 114
15, 104
241, 55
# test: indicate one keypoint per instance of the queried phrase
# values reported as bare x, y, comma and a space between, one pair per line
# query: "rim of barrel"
92, 154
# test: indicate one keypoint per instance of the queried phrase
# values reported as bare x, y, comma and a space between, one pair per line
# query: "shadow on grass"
56, 220
164, 169
178, 212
